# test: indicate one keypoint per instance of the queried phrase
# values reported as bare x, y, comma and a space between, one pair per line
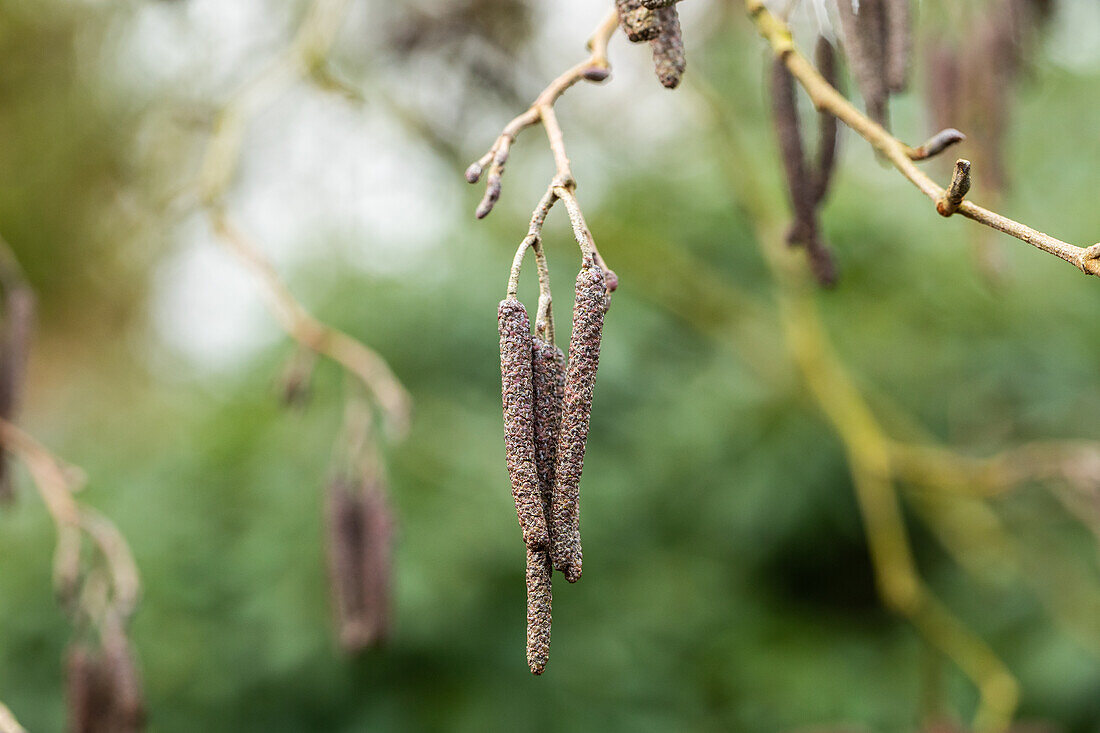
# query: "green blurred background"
727, 584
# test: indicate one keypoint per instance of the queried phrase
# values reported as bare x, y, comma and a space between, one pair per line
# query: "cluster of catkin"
359, 528
15, 338
658, 22
547, 403
807, 183
878, 40
103, 688
970, 85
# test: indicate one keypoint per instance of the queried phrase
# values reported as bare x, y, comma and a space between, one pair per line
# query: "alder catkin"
638, 22
898, 43
517, 392
584, 356
102, 689
19, 306
863, 42
658, 4
668, 48
800, 188
359, 529
539, 601
549, 377
827, 127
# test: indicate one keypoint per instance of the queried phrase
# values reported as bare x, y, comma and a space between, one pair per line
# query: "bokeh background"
727, 582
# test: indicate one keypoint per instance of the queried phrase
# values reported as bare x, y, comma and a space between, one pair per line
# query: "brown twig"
595, 68
306, 54
824, 96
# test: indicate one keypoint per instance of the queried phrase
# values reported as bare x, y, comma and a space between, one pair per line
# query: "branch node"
960, 184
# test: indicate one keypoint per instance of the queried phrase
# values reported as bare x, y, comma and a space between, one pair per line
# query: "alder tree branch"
595, 68
826, 97
305, 58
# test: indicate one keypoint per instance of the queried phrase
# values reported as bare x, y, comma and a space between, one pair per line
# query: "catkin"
549, 377
539, 600
359, 529
103, 693
658, 4
668, 48
898, 43
863, 42
638, 22
800, 188
584, 357
14, 348
827, 127
517, 392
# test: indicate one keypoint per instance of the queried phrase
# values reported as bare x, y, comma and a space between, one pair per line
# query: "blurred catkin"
359, 528
584, 356
898, 44
15, 343
864, 44
539, 599
828, 128
668, 48
517, 393
638, 22
103, 691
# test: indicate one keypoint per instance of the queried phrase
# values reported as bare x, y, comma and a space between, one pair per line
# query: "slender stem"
825, 97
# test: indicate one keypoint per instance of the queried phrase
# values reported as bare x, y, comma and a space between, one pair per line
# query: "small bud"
473, 173
517, 393
597, 73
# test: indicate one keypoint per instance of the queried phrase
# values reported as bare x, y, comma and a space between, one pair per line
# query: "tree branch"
825, 97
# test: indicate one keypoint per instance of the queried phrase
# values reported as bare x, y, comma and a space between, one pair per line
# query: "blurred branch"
306, 57
8, 723
370, 368
825, 97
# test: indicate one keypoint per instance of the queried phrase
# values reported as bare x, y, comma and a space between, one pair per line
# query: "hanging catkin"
827, 127
863, 42
638, 22
14, 348
668, 48
803, 189
103, 693
549, 377
539, 600
359, 529
898, 43
517, 392
584, 358
800, 187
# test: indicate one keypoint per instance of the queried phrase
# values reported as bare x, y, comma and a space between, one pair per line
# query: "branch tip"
958, 188
936, 144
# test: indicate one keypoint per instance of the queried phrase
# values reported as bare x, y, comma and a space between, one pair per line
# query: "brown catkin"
539, 600
19, 309
584, 357
638, 22
549, 376
863, 42
517, 393
898, 43
668, 48
827, 127
103, 691
658, 4
800, 187
359, 529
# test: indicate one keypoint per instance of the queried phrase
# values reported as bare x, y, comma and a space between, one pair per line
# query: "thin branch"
306, 55
8, 723
370, 368
595, 68
825, 97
